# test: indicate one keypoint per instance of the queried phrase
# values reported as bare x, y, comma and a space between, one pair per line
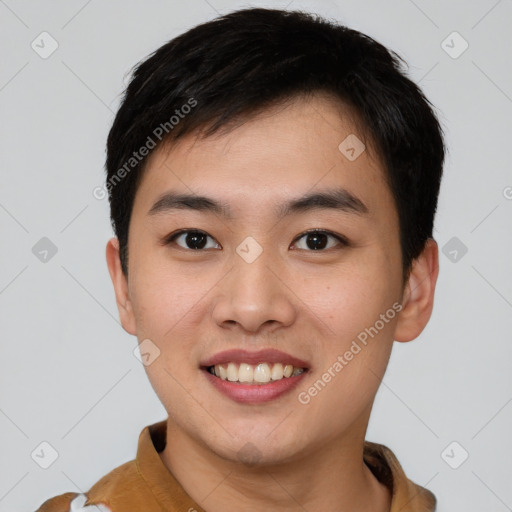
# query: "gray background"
68, 375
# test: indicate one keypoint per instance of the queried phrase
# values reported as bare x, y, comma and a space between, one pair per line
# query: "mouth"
251, 377
260, 374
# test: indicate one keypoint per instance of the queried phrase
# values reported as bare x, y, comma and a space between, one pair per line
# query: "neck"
331, 477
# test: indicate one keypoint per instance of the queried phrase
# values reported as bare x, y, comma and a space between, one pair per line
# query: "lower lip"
254, 393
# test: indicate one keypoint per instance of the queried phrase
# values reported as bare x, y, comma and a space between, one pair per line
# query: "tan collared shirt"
146, 485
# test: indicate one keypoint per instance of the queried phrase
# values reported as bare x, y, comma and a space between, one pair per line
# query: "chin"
253, 450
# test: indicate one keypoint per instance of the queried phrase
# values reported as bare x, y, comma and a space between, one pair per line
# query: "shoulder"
100, 497
59, 503
406, 494
70, 502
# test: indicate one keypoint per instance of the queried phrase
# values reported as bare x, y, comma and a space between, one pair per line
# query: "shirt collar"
166, 489
172, 496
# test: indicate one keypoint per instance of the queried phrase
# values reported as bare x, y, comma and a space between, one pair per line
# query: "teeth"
245, 373
261, 373
277, 371
232, 372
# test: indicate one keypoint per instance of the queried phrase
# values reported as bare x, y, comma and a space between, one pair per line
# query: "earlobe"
418, 299
120, 284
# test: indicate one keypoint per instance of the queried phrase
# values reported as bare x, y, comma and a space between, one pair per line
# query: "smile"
262, 373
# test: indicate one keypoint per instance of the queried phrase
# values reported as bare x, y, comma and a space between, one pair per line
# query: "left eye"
317, 240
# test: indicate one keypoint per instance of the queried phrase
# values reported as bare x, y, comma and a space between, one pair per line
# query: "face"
247, 275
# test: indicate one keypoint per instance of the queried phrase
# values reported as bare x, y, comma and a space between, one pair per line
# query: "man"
273, 180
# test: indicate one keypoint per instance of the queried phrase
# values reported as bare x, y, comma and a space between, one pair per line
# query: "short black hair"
224, 71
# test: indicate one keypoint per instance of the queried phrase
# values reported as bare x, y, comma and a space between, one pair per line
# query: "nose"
254, 296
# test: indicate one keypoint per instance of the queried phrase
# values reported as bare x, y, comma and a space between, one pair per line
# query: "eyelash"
343, 241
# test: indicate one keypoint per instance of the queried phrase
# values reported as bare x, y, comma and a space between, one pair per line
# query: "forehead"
283, 152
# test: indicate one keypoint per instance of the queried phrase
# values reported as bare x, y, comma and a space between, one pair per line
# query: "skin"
309, 303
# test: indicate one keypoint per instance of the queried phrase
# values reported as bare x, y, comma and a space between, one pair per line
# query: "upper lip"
269, 355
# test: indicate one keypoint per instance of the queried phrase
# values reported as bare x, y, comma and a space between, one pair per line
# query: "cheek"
360, 306
171, 310
362, 336
352, 298
353, 354
163, 293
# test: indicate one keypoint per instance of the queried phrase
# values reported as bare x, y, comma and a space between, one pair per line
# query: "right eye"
192, 239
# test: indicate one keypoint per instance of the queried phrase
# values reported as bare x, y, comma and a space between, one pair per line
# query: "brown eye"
191, 239
317, 240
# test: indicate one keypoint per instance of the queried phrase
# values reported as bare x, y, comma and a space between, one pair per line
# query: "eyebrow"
332, 199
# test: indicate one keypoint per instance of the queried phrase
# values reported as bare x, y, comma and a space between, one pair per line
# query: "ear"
120, 283
418, 298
